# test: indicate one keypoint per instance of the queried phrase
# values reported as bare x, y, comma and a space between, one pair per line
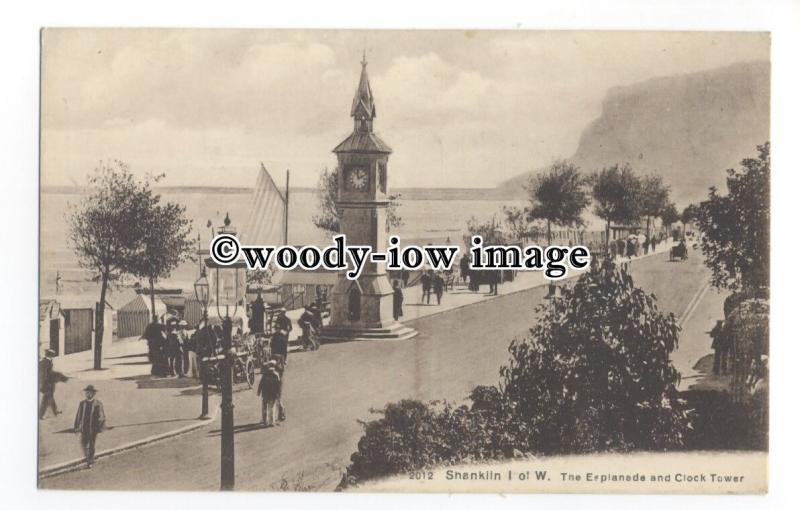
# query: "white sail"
267, 218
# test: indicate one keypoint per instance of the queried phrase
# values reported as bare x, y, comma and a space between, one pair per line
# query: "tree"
328, 217
518, 224
654, 199
558, 196
735, 227
594, 373
490, 232
328, 188
166, 243
106, 231
616, 191
669, 216
689, 214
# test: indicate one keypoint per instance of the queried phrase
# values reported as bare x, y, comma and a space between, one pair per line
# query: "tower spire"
363, 110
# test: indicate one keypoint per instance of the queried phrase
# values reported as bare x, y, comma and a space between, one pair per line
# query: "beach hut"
192, 311
137, 314
51, 327
67, 324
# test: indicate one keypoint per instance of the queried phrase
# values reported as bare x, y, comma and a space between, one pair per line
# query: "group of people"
431, 283
473, 278
635, 245
172, 349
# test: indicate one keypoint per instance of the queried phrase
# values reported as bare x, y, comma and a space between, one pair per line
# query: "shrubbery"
592, 375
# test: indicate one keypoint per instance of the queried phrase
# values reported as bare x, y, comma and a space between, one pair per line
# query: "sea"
428, 215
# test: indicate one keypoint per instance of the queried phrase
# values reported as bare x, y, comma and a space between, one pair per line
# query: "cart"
244, 364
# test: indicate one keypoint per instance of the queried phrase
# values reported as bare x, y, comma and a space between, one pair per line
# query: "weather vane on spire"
364, 58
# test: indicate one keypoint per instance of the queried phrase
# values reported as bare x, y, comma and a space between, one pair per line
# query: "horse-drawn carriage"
678, 252
246, 355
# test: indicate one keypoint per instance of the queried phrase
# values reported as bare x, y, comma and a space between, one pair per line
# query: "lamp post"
201, 293
227, 469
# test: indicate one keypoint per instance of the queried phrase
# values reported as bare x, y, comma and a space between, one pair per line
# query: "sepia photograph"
161, 368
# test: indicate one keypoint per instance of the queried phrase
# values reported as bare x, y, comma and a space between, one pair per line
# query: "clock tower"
362, 309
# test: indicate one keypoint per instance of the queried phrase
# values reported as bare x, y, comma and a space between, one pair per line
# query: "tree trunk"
608, 234
647, 229
153, 300
548, 233
99, 324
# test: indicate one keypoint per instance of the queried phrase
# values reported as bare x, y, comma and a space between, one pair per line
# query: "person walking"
397, 300
282, 322
257, 310
721, 343
280, 338
174, 354
494, 278
154, 335
89, 421
438, 287
47, 384
183, 338
269, 389
425, 282
192, 366
308, 323
463, 269
280, 353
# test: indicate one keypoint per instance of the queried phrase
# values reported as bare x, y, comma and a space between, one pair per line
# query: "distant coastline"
407, 193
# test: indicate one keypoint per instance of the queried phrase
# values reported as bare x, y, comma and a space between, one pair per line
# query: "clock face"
357, 179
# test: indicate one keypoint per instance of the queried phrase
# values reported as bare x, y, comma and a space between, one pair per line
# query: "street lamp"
201, 294
227, 470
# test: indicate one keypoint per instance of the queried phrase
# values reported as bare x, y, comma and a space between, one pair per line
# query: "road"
327, 391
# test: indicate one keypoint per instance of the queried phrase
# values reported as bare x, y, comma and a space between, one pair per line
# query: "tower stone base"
395, 331
374, 321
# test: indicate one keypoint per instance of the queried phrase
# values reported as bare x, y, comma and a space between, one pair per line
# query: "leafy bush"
719, 423
594, 373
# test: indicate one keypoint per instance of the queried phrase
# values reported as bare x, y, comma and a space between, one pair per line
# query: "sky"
458, 108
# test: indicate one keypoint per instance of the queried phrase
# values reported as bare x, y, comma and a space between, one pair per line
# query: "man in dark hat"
282, 322
89, 421
47, 383
280, 338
